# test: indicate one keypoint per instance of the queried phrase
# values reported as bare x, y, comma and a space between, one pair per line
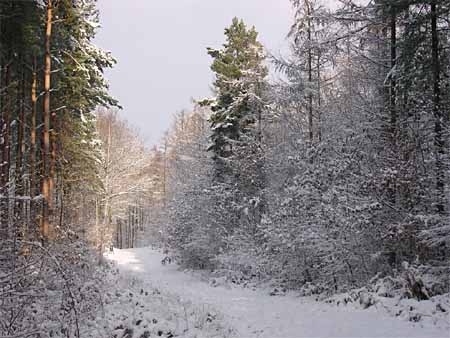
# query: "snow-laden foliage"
48, 291
342, 176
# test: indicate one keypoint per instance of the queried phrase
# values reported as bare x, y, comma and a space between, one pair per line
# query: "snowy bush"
48, 290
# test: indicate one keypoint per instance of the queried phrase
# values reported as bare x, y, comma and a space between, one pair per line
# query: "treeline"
51, 82
64, 168
333, 175
59, 152
131, 178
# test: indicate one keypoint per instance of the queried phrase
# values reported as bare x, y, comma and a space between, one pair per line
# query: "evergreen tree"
239, 81
51, 80
236, 122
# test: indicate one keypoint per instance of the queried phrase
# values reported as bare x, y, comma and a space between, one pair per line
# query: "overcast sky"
160, 46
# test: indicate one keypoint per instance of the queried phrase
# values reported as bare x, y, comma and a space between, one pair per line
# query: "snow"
134, 308
254, 313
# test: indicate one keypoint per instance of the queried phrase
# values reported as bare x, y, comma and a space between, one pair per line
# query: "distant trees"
190, 205
126, 183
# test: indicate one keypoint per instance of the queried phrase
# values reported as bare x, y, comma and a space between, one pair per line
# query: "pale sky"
160, 46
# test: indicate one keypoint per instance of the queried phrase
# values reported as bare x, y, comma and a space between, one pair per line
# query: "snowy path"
255, 314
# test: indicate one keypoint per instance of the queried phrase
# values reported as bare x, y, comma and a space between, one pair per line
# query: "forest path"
255, 314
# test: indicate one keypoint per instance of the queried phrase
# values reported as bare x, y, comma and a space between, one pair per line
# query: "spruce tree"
236, 120
240, 74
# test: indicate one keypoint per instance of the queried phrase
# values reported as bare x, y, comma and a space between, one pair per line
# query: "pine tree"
239, 82
238, 112
51, 80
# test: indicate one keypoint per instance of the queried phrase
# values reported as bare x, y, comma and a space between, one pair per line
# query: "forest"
321, 171
336, 173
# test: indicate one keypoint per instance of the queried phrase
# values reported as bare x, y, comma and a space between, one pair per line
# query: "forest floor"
198, 309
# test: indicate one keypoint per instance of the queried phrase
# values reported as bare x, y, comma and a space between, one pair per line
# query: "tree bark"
5, 165
53, 156
20, 153
20, 150
33, 141
46, 181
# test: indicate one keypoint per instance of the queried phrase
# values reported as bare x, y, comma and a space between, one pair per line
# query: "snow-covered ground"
254, 313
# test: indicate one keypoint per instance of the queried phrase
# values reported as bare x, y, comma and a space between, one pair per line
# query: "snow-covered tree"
126, 182
238, 114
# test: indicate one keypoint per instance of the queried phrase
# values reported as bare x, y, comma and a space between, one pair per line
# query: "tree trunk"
392, 191
106, 212
393, 84
310, 71
98, 228
20, 150
20, 153
5, 165
319, 101
438, 116
33, 142
164, 171
46, 181
52, 169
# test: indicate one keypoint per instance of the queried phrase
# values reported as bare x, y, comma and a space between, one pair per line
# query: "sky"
160, 46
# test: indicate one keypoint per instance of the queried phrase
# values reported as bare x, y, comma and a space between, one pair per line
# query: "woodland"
322, 171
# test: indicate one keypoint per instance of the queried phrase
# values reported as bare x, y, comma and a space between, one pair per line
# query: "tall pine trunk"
46, 180
53, 155
5, 165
